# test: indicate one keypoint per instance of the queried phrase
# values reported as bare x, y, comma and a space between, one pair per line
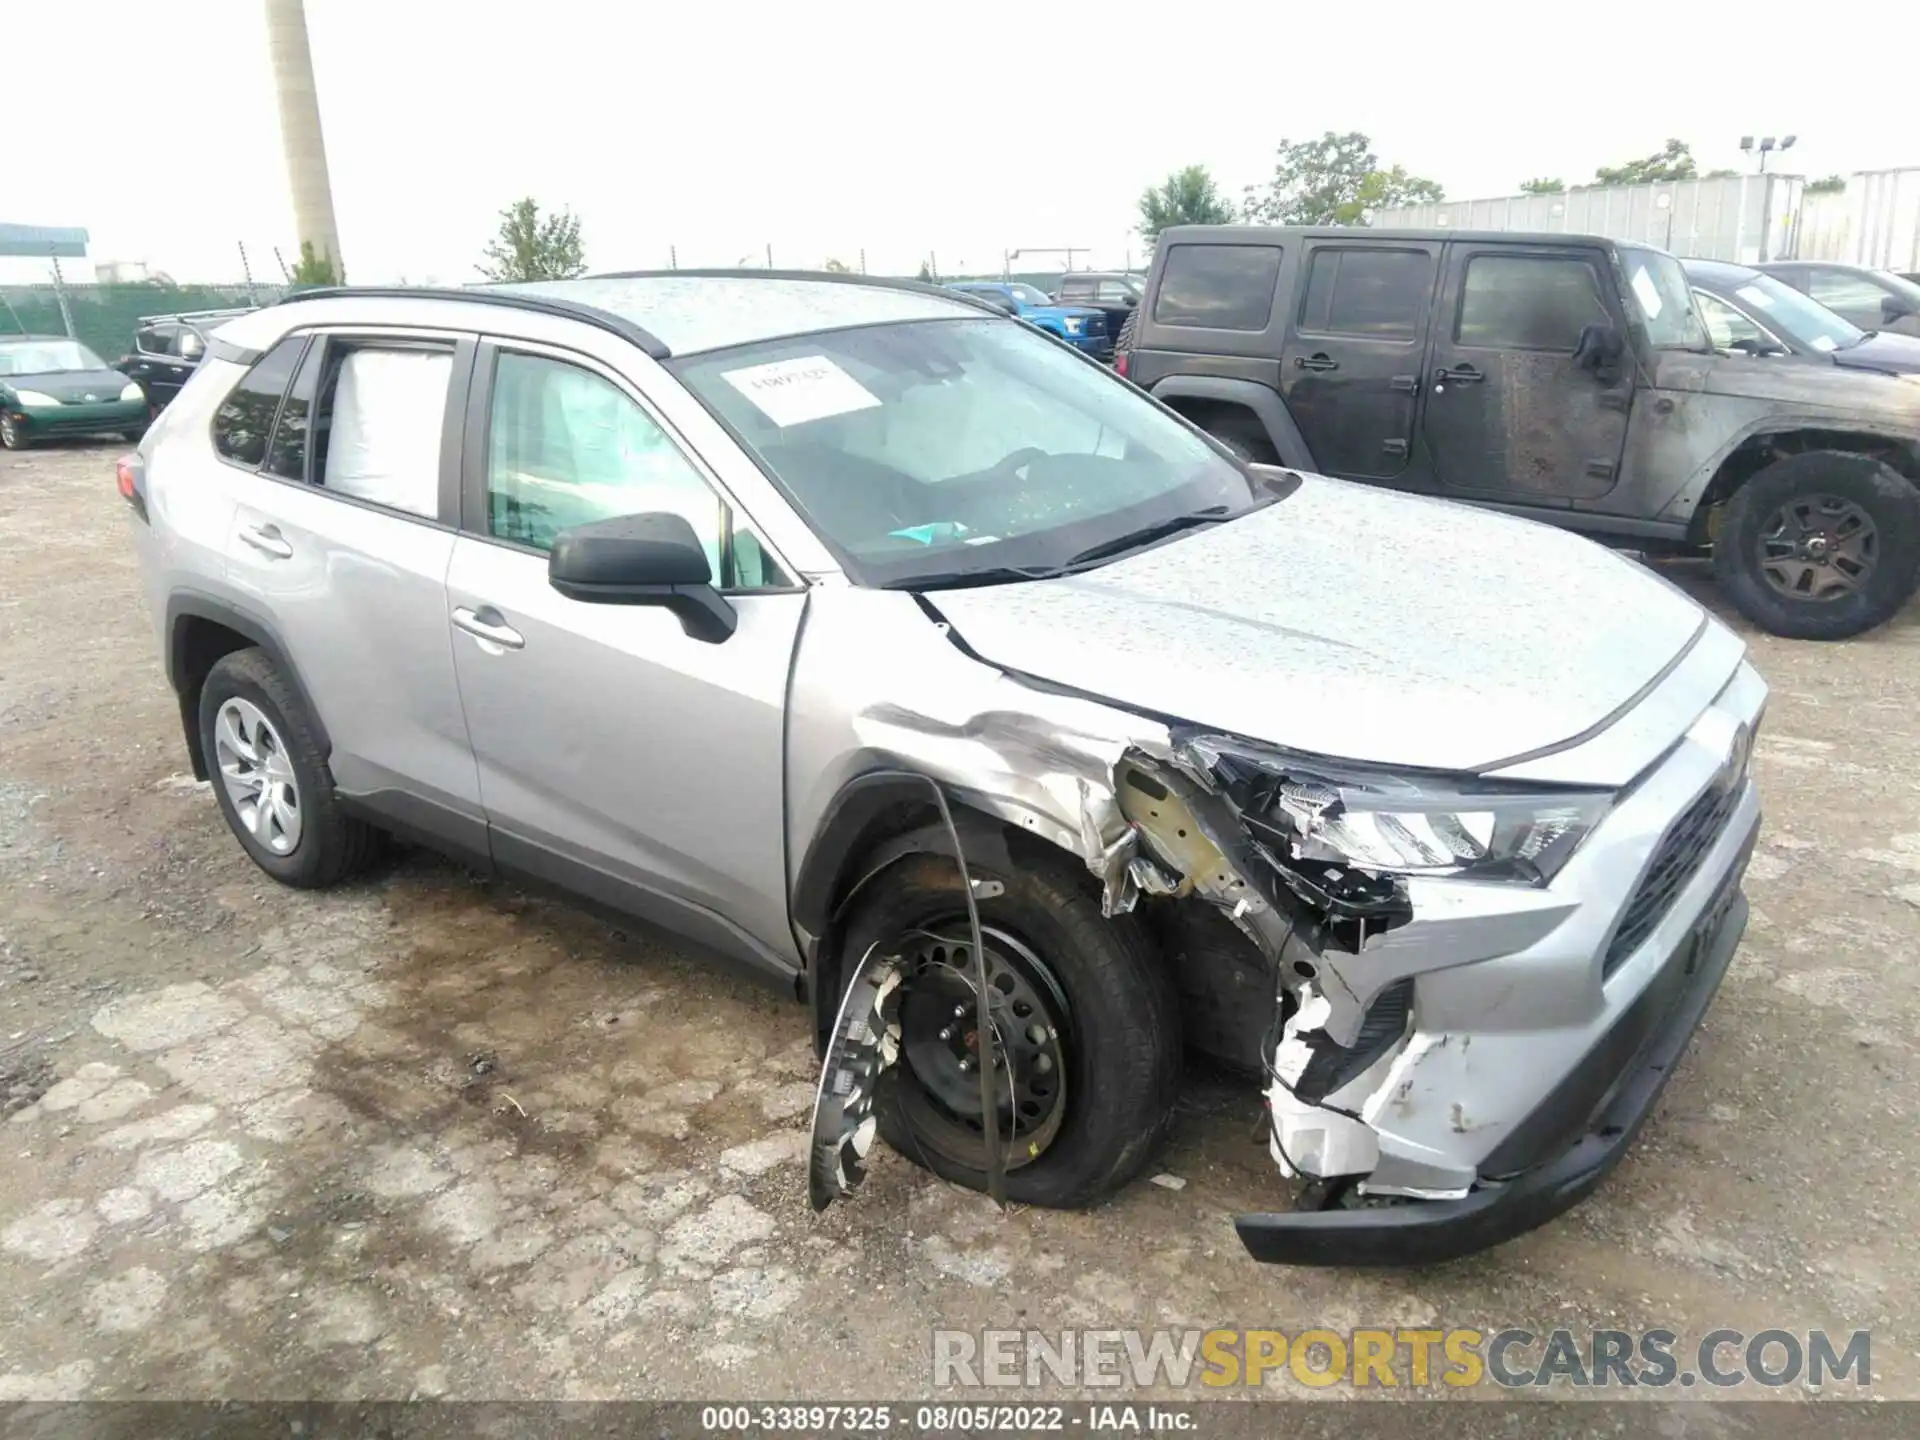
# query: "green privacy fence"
104, 316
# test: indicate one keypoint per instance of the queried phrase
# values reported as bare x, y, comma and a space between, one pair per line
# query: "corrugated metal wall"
1876, 221
1744, 218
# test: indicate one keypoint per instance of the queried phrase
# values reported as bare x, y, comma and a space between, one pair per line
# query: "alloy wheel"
258, 776
1819, 548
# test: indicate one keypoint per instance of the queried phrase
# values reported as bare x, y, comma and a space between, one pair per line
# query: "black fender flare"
1266, 406
184, 605
840, 861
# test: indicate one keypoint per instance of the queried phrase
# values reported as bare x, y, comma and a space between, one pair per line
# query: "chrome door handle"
266, 539
496, 631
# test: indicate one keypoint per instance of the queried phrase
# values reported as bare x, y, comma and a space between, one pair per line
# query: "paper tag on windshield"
1754, 295
792, 392
1643, 287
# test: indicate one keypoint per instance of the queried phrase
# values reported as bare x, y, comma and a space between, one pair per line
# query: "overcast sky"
899, 127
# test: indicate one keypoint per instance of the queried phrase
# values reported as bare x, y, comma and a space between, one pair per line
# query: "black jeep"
1562, 377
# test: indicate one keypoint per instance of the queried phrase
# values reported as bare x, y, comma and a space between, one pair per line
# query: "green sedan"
50, 385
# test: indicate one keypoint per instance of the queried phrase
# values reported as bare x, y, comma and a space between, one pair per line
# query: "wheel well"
1756, 452
198, 645
1214, 416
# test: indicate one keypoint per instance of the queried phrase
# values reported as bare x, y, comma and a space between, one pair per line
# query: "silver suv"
905, 656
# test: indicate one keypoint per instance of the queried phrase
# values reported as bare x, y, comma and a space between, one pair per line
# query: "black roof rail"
842, 277
646, 340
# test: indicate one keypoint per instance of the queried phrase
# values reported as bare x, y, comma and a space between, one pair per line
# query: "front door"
341, 533
1350, 368
619, 756
1508, 413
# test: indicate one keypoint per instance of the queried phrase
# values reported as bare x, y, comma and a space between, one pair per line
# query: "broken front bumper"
1653, 1034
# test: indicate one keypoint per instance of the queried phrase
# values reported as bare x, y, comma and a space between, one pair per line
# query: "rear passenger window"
1218, 287
1369, 293
1528, 302
245, 418
377, 425
287, 455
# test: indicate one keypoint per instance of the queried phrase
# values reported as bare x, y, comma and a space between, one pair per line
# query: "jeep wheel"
1086, 1025
1244, 438
270, 778
1820, 546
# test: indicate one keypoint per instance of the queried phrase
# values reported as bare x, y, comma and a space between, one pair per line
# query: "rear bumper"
1426, 1232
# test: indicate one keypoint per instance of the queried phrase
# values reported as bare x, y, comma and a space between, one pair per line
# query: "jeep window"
156, 339
567, 447
1528, 302
377, 426
1657, 287
1372, 293
245, 418
936, 450
1218, 287
1806, 321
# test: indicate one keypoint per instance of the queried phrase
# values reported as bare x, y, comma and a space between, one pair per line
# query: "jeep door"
619, 756
1508, 414
1350, 366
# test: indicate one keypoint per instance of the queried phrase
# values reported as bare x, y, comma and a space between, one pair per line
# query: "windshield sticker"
1754, 295
1649, 297
928, 534
792, 392
1824, 342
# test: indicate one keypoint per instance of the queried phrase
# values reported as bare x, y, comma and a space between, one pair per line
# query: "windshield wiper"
1146, 535
960, 579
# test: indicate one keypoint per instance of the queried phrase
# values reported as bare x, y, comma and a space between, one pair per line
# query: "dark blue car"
1081, 326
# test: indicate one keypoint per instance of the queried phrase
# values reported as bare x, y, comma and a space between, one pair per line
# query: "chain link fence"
104, 316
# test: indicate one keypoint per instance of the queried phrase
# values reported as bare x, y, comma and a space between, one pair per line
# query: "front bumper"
1475, 1071
1654, 1033
45, 422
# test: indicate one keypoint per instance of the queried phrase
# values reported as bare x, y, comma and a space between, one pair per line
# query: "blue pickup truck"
1081, 326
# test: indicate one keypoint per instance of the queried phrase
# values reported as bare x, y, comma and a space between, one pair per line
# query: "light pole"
1767, 146
300, 135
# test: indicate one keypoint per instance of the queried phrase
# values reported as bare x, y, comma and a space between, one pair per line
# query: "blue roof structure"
43, 242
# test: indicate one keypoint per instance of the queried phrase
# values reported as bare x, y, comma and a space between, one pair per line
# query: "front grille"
1675, 861
1330, 1066
1096, 325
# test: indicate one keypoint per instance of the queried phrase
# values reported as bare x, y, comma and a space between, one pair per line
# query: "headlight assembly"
132, 391
1073, 324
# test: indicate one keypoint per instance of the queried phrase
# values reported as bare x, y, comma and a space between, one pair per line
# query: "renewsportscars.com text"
1398, 1358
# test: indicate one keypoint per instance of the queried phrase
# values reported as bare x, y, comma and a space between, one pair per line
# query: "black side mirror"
1598, 352
653, 559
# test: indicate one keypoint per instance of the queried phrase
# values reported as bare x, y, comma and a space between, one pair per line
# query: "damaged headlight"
1403, 828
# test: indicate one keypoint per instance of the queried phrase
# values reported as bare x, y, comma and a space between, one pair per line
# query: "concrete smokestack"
300, 129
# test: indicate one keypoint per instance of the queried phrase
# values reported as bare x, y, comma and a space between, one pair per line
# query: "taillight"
1120, 364
127, 473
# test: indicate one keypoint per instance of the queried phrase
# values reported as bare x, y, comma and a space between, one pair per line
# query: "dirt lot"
428, 1135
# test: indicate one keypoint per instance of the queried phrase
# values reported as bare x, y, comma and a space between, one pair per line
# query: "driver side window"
567, 446
1726, 326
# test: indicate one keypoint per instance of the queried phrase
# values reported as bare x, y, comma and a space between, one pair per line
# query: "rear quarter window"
1218, 287
245, 418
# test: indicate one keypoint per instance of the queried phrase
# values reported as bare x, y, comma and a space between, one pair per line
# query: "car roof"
685, 312
1281, 234
1723, 272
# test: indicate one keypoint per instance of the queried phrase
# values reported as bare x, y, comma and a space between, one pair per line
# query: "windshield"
1027, 295
923, 451
46, 357
1658, 288
1802, 320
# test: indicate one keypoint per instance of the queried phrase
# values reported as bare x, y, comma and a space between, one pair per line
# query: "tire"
12, 437
327, 845
1121, 1042
1820, 493
1124, 341
1245, 439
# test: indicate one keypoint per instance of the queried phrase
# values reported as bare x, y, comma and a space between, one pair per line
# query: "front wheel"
12, 437
1086, 1049
1820, 546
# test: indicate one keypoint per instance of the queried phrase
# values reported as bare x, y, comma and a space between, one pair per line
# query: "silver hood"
1352, 622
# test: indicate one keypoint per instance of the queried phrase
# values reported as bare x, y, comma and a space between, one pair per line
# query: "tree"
1334, 180
535, 247
1185, 197
836, 267
1826, 185
1672, 161
1541, 185
925, 276
314, 268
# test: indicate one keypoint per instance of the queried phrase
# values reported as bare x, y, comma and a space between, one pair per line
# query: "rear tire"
1121, 1040
1244, 438
256, 735
1820, 546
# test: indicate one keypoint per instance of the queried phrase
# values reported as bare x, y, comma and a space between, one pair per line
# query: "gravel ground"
427, 1135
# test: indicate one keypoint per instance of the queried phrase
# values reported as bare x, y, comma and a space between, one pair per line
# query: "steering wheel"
1007, 465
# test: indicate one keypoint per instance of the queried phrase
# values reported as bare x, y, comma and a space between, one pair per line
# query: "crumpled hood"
1352, 622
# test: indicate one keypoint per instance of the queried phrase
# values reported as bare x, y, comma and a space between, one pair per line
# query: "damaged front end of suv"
1461, 991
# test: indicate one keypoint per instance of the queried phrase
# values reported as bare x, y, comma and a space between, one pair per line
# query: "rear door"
1350, 367
342, 533
1507, 412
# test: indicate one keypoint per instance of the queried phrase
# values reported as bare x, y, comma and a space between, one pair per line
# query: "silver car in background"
901, 655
